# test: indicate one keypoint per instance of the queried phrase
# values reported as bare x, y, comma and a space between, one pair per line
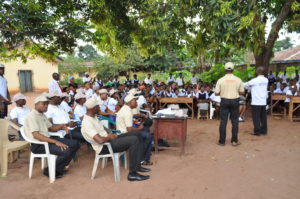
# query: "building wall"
41, 73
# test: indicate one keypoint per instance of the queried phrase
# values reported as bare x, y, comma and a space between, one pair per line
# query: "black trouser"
63, 156
76, 134
229, 106
3, 113
259, 117
131, 141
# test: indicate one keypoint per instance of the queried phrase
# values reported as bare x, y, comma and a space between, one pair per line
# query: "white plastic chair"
115, 158
7, 147
146, 111
211, 110
51, 159
60, 133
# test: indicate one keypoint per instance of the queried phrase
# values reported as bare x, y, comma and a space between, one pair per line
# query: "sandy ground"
262, 167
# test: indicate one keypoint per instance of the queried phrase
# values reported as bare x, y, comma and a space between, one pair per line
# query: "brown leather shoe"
235, 143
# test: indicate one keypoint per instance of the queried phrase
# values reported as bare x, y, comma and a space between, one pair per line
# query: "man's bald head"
55, 76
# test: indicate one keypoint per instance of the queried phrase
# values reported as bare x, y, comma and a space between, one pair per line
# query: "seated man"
94, 132
57, 115
289, 94
125, 125
36, 127
18, 114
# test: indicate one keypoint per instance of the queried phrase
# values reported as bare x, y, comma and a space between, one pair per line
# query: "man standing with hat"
4, 93
36, 127
229, 88
94, 132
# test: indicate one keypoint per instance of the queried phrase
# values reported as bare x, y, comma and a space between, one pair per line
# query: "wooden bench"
275, 99
294, 100
188, 101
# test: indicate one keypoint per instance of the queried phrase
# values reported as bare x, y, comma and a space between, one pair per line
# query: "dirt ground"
265, 167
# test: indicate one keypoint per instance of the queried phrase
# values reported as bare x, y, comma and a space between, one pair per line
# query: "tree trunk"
201, 64
263, 58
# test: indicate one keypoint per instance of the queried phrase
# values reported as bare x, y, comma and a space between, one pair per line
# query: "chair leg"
4, 163
43, 163
51, 167
104, 162
31, 162
125, 161
95, 167
116, 162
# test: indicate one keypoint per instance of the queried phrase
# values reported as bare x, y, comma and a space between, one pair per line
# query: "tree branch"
276, 26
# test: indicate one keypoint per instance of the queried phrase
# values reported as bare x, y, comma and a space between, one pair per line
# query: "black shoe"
137, 177
221, 144
57, 174
143, 170
255, 134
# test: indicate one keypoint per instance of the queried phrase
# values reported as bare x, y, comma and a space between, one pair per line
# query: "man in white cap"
80, 109
54, 84
103, 98
57, 115
259, 96
36, 127
94, 132
229, 88
4, 93
18, 114
86, 77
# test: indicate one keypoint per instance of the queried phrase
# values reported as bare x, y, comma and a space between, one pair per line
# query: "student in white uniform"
289, 94
86, 77
282, 89
180, 80
64, 103
259, 102
113, 100
171, 78
148, 80
194, 79
88, 91
18, 114
284, 77
54, 84
80, 109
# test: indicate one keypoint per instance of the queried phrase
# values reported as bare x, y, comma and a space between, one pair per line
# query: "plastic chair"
202, 106
51, 159
211, 110
115, 158
60, 133
7, 147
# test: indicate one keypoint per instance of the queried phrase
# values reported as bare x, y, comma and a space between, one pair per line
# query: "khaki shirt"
90, 127
124, 118
36, 121
229, 87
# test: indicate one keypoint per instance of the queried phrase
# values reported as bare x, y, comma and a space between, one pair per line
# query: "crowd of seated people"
69, 108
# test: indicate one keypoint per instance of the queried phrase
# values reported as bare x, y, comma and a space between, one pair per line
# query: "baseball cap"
18, 96
129, 97
103, 91
229, 66
112, 91
41, 98
2, 66
79, 96
55, 94
64, 95
134, 91
86, 73
91, 103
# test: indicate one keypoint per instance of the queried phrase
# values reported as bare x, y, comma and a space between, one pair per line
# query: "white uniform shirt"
112, 103
284, 78
54, 86
19, 113
202, 93
215, 98
141, 101
103, 105
289, 92
171, 79
3, 87
86, 79
58, 115
64, 105
88, 93
148, 81
79, 111
179, 81
259, 86
194, 80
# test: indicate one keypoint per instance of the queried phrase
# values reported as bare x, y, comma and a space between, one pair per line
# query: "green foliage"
87, 52
290, 70
65, 81
283, 44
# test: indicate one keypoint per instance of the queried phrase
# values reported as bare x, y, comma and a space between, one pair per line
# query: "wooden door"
25, 77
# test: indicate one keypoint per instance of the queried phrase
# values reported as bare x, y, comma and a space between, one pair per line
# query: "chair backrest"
3, 130
22, 131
